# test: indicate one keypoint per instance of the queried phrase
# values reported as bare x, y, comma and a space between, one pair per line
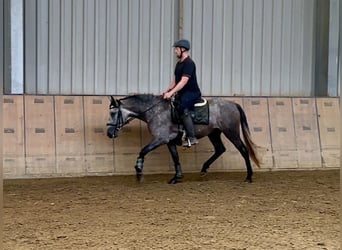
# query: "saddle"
200, 115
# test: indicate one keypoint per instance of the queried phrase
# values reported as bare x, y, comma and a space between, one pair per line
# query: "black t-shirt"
187, 68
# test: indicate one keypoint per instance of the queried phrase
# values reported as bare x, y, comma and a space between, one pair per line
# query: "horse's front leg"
139, 165
178, 169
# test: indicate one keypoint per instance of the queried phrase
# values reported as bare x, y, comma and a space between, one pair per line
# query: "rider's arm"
179, 85
171, 86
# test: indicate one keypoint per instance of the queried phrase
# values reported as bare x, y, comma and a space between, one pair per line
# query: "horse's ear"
113, 102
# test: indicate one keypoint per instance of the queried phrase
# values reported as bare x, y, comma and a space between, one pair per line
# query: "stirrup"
189, 142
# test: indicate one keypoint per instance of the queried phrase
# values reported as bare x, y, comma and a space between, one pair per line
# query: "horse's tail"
247, 136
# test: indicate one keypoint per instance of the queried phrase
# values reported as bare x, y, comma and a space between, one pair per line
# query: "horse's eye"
111, 107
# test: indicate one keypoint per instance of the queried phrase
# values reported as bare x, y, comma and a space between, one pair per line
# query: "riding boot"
189, 129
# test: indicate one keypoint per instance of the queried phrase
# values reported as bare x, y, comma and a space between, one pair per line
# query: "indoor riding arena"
67, 185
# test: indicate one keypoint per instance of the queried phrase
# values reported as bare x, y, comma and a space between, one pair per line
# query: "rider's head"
181, 46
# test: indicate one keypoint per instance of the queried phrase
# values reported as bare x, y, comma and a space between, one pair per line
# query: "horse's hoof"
140, 178
175, 180
202, 174
248, 180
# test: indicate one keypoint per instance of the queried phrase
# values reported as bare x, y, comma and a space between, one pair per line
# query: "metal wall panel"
241, 47
252, 47
98, 46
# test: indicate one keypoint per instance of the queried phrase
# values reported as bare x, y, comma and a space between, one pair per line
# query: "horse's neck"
137, 104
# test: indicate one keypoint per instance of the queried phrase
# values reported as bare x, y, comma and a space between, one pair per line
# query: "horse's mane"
141, 99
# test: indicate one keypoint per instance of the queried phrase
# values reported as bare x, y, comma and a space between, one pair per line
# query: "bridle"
119, 119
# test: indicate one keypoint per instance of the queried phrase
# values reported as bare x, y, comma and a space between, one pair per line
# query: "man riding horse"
185, 88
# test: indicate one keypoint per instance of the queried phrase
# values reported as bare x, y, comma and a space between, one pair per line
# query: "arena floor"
279, 210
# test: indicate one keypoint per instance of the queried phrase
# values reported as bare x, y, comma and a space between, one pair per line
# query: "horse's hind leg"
215, 138
238, 143
178, 169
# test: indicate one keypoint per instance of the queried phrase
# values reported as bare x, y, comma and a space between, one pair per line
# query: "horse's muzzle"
112, 132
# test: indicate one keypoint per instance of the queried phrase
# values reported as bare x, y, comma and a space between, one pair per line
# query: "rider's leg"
189, 128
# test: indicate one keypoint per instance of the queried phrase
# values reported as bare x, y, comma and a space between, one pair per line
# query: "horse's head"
118, 117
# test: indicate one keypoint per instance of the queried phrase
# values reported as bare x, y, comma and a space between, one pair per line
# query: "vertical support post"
334, 24
13, 46
180, 19
322, 48
1, 126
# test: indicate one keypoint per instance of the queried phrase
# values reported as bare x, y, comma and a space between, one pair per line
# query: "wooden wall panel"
282, 133
305, 121
40, 135
127, 147
66, 135
13, 136
203, 151
99, 149
232, 159
13, 167
329, 130
69, 134
306, 132
329, 122
258, 119
331, 158
237, 99
187, 159
157, 161
282, 124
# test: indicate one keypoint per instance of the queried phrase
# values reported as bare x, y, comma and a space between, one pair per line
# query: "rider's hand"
167, 95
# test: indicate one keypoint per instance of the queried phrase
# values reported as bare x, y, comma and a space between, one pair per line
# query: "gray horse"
224, 117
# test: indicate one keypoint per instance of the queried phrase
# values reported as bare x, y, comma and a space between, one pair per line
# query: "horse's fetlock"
139, 164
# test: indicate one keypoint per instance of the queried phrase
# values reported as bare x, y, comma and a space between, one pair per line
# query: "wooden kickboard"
256, 110
100, 163
282, 124
127, 147
96, 114
305, 120
124, 163
329, 122
69, 165
331, 158
13, 125
233, 160
187, 159
41, 166
40, 135
309, 158
13, 136
13, 167
157, 160
285, 159
69, 126
238, 100
203, 151
129, 139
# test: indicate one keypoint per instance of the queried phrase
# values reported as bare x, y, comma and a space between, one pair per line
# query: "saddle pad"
200, 115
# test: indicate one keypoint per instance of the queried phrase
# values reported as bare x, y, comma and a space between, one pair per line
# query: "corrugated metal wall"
98, 46
252, 47
241, 47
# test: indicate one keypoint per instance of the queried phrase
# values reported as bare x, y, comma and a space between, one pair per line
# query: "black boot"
189, 129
